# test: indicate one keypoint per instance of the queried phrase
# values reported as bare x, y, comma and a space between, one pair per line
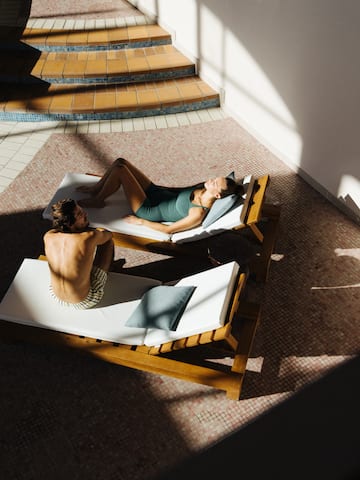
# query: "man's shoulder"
59, 233
51, 232
90, 233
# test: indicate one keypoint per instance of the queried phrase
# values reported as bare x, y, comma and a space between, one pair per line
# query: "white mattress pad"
28, 301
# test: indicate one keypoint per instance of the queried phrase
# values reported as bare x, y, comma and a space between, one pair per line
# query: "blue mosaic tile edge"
82, 48
108, 79
43, 117
130, 78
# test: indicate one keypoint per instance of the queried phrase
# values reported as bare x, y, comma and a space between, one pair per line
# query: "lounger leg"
257, 232
261, 264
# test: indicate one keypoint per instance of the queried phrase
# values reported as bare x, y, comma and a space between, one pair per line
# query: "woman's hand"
133, 219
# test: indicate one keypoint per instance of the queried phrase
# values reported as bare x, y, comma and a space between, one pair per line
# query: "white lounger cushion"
110, 217
28, 301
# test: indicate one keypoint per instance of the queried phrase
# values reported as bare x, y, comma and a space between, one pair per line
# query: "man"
79, 257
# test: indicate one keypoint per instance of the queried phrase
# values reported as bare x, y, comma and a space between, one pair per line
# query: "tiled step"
132, 36
121, 66
117, 72
96, 102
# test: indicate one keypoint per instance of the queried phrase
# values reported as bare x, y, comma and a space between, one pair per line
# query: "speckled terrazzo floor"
104, 419
84, 9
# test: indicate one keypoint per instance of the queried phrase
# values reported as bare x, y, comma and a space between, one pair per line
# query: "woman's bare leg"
94, 189
123, 173
143, 180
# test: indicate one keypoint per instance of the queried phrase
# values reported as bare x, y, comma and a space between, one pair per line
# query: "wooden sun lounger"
254, 212
196, 358
250, 216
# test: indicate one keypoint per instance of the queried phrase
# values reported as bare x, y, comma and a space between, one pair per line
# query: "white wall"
290, 74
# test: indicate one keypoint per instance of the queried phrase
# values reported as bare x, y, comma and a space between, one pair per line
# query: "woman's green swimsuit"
166, 205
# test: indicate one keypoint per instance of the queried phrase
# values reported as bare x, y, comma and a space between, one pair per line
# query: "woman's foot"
91, 202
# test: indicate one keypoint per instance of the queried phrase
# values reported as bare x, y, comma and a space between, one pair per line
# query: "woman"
152, 204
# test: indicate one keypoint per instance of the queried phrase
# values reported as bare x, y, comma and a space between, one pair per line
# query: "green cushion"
220, 206
161, 307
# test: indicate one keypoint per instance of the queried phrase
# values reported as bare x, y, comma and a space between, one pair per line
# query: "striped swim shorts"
97, 284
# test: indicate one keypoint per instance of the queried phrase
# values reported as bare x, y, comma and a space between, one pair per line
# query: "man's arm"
101, 236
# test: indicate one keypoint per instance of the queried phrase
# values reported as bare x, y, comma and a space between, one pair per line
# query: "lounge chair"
249, 212
217, 320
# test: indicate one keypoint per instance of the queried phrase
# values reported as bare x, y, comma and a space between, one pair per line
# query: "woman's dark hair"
63, 214
232, 187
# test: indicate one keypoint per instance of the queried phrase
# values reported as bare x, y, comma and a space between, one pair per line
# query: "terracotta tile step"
117, 37
114, 101
101, 66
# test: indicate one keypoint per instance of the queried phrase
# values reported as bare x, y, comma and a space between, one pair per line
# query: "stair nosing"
130, 77
130, 38
109, 115
100, 47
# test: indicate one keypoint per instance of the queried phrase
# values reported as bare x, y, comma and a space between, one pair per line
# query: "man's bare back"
79, 257
70, 257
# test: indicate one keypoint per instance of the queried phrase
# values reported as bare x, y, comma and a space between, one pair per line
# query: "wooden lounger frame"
185, 359
197, 358
254, 211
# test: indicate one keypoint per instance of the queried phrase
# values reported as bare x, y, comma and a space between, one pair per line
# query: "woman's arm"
194, 219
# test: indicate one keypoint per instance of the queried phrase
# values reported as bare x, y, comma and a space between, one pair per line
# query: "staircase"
120, 72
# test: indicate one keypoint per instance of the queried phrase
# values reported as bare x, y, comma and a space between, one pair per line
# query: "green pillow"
161, 307
220, 206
